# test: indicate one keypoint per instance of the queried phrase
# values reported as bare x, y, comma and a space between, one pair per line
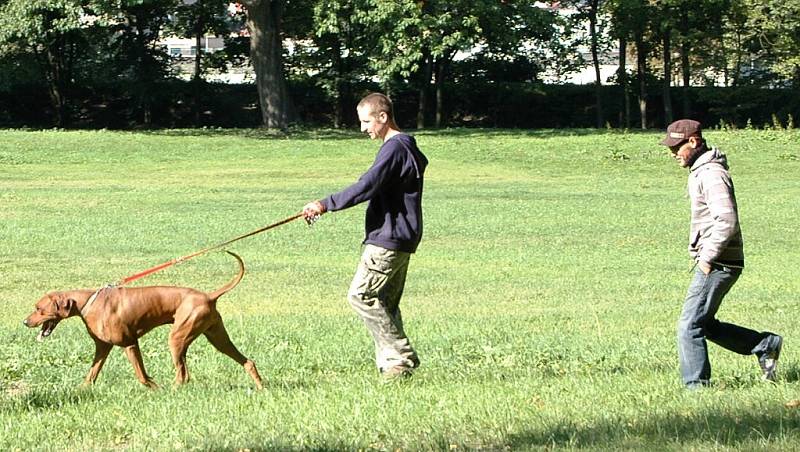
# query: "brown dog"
120, 316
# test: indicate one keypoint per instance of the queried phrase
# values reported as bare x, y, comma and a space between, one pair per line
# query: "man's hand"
312, 211
705, 267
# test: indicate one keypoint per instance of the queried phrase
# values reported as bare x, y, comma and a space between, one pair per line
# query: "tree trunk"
198, 43
622, 76
641, 70
197, 80
54, 62
340, 108
263, 23
441, 71
598, 90
55, 82
686, 69
427, 73
666, 41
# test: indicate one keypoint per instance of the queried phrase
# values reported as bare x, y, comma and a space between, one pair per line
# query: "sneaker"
769, 361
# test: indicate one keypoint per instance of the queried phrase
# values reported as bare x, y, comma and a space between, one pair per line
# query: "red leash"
203, 251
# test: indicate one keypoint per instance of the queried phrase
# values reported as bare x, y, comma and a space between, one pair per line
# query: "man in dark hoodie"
393, 187
715, 244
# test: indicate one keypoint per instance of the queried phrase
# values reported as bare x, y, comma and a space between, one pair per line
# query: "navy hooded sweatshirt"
393, 187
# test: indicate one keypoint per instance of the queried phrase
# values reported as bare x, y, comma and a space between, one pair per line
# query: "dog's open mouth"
47, 328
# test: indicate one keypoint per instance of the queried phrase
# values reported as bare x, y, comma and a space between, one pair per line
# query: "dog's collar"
91, 300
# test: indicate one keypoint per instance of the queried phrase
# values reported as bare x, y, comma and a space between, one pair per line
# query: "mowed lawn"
542, 300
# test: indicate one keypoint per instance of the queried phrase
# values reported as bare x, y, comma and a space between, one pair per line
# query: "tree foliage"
774, 32
421, 48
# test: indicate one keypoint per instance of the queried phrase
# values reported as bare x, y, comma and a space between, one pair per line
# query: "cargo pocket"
370, 280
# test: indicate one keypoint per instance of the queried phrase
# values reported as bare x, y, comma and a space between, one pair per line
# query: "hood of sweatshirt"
713, 155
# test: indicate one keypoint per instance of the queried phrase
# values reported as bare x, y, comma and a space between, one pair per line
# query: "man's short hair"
378, 103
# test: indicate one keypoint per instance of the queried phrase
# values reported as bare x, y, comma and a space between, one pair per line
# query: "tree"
264, 25
510, 32
444, 27
45, 29
633, 22
134, 29
666, 24
337, 52
696, 26
776, 39
198, 19
589, 10
630, 23
420, 39
621, 31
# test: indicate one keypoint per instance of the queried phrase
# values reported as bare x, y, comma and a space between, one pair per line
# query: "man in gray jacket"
715, 244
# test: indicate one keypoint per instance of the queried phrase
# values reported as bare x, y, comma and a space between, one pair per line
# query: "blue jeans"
698, 323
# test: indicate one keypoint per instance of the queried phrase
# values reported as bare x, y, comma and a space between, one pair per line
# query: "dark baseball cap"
680, 131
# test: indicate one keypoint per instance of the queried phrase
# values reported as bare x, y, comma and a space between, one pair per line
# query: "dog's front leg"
101, 351
135, 357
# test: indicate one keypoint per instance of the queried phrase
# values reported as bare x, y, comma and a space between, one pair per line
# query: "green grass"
542, 300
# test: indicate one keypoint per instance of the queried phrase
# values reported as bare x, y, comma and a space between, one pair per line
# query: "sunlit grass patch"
542, 300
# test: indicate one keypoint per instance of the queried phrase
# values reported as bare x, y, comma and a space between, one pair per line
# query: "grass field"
542, 300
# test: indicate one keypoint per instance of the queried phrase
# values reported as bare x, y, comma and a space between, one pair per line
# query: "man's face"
372, 124
683, 152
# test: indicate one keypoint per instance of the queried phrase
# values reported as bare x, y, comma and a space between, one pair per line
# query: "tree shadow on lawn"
529, 133
262, 134
689, 430
44, 399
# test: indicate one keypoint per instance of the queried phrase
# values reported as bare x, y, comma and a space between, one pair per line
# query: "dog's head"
50, 309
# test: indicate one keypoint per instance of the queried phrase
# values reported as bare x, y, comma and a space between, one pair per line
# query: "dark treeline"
91, 64
510, 105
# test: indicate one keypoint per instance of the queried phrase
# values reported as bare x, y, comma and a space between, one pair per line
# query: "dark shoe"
769, 361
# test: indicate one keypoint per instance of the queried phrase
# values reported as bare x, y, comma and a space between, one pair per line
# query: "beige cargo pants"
375, 296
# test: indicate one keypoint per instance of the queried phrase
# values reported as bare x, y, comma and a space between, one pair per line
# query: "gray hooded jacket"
714, 235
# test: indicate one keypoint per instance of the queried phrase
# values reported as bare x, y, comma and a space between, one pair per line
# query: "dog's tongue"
44, 333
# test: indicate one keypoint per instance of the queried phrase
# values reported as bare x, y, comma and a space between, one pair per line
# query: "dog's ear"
64, 305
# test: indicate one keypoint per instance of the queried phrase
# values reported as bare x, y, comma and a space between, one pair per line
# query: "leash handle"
172, 262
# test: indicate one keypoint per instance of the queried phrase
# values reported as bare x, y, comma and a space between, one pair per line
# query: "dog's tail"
222, 290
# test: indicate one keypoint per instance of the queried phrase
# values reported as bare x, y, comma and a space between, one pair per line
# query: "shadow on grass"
716, 429
790, 372
776, 427
44, 399
530, 133
273, 445
262, 134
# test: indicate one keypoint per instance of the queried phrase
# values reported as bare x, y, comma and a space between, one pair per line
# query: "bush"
177, 103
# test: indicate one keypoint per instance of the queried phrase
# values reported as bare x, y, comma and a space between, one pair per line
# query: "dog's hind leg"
185, 330
101, 351
218, 336
135, 357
